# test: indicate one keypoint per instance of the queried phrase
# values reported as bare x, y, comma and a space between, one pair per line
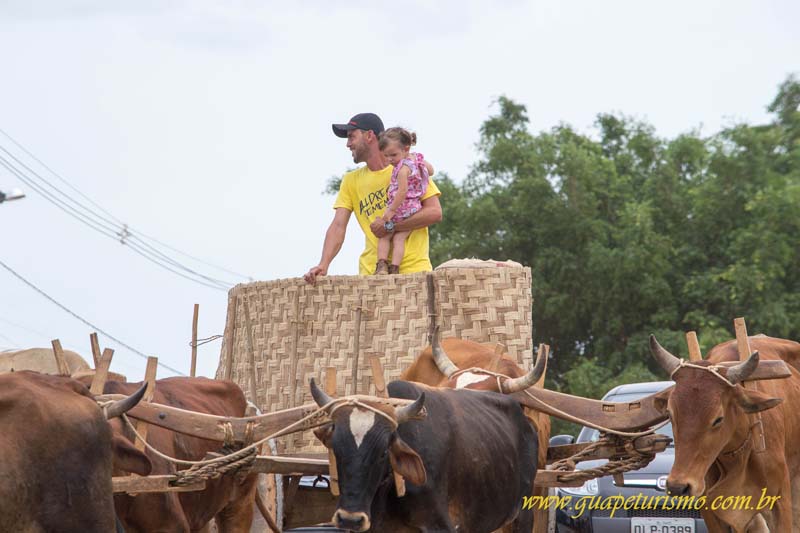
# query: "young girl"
407, 186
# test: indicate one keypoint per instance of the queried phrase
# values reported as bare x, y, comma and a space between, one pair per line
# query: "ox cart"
629, 442
279, 443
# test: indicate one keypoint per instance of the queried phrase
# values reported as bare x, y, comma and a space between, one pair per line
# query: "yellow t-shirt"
363, 192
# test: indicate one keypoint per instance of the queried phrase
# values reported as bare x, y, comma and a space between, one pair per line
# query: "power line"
29, 330
212, 265
113, 225
53, 300
144, 249
54, 173
108, 232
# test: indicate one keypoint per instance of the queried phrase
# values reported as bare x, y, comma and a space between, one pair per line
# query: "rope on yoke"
242, 460
713, 369
239, 463
213, 468
634, 461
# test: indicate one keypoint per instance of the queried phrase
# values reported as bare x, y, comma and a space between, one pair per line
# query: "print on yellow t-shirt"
363, 191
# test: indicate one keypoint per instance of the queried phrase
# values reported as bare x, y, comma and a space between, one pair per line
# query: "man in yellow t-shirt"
363, 192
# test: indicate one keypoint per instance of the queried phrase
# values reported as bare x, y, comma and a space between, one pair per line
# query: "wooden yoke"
743, 344
380, 388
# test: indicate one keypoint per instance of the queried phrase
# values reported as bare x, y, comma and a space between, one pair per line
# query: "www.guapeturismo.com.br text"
616, 503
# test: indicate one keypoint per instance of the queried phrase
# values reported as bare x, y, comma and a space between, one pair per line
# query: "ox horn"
120, 407
737, 374
446, 366
666, 360
404, 414
319, 395
527, 381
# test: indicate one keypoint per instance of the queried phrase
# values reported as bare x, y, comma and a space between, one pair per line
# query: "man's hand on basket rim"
311, 275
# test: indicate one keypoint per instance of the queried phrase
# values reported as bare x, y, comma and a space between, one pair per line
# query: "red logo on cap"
353, 123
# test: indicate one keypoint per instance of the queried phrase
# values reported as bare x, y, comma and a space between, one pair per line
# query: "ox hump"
361, 421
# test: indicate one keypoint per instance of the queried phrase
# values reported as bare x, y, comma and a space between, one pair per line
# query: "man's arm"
430, 214
334, 238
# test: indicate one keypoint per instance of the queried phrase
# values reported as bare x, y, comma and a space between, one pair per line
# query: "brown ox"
57, 454
438, 362
714, 439
224, 499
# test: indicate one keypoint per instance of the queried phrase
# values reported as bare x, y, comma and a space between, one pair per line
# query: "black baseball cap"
362, 121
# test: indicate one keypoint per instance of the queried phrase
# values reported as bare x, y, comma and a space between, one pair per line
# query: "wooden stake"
431, 306
293, 354
95, 348
380, 387
499, 348
61, 363
193, 371
330, 380
150, 378
743, 344
541, 516
251, 352
377, 376
694, 347
333, 471
356, 347
230, 334
101, 372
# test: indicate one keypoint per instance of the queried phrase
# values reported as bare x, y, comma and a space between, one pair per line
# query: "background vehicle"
649, 482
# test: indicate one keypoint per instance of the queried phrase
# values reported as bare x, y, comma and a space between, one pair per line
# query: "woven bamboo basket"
297, 330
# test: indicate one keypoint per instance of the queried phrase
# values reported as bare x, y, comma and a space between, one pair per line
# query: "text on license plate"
662, 525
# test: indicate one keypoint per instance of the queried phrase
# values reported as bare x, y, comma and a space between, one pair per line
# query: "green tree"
629, 234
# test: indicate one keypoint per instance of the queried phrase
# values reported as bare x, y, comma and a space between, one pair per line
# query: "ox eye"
717, 422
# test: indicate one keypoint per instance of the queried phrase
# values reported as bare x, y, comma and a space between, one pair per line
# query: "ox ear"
407, 462
753, 401
324, 434
128, 459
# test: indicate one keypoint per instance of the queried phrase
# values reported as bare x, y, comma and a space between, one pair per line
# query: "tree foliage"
628, 234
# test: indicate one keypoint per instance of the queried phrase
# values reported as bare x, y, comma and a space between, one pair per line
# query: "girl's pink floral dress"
417, 185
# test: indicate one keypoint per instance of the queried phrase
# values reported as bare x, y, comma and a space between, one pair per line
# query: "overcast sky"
207, 126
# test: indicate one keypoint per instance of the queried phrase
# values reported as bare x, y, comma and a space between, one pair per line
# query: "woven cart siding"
298, 330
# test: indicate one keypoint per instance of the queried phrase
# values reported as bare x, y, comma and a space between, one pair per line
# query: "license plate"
662, 525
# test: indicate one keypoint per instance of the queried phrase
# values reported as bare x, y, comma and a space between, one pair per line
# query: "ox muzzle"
351, 521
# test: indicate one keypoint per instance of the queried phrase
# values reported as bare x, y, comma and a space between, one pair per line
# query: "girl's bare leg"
382, 266
384, 243
398, 246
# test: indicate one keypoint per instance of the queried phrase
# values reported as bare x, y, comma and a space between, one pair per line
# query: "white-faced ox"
467, 464
715, 452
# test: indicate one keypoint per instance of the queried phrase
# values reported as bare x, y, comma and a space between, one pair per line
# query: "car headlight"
587, 489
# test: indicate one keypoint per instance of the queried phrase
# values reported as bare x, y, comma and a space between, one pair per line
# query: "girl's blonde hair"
403, 136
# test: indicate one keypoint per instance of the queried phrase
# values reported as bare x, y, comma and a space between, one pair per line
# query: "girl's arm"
400, 195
